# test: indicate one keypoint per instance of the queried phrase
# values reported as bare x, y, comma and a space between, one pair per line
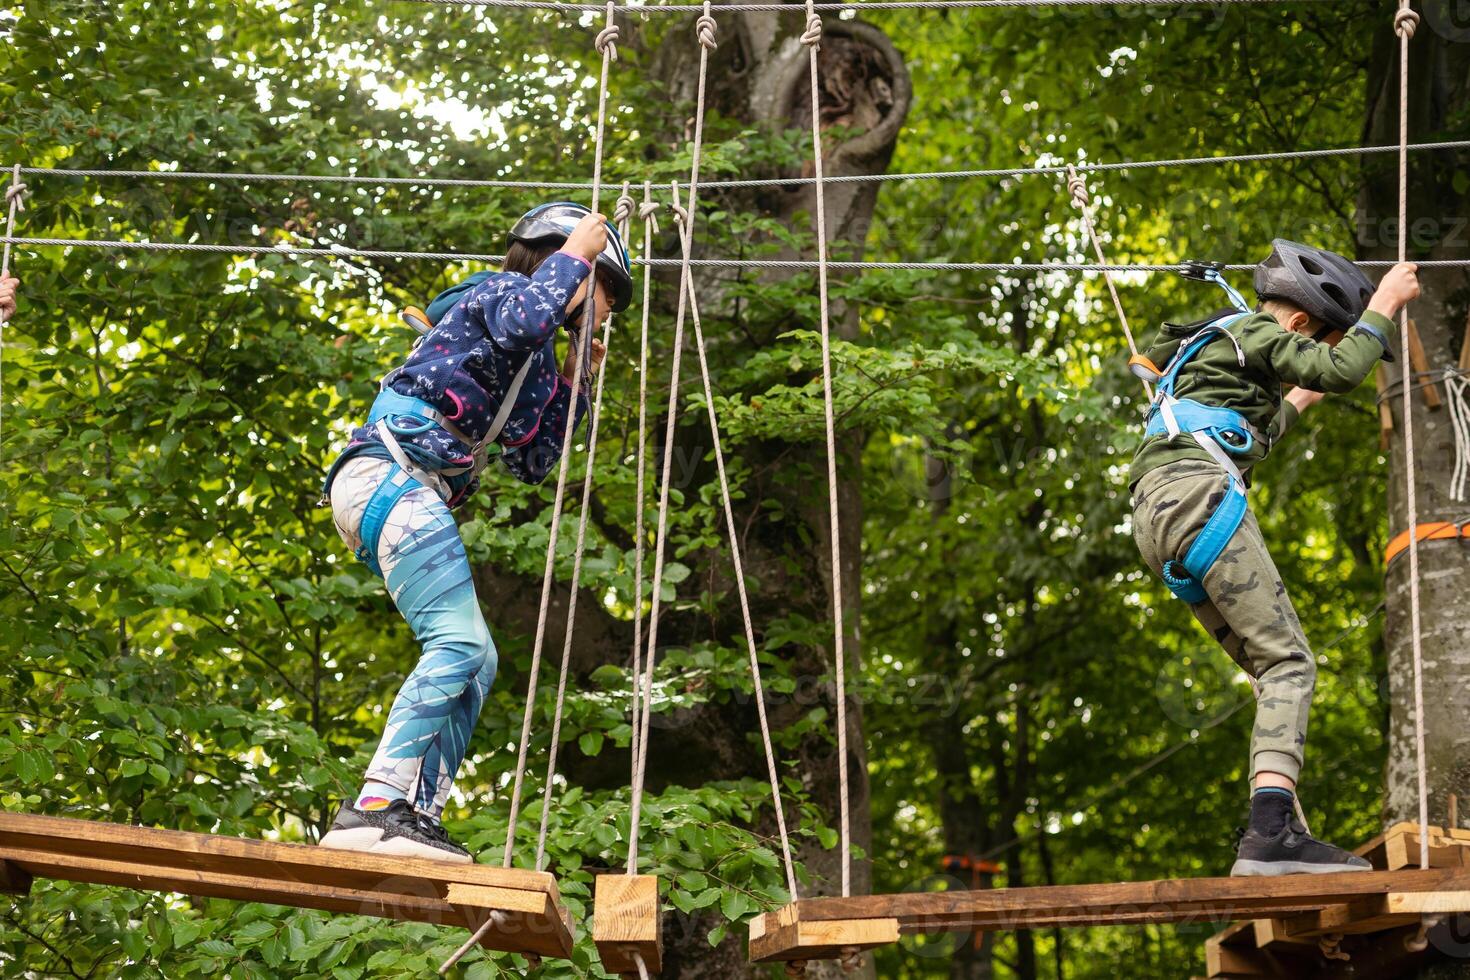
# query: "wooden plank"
1233, 961
544, 935
14, 880
1398, 848
1385, 410
1166, 900
1421, 366
627, 919
504, 899
1353, 918
1272, 932
256, 858
820, 939
1429, 903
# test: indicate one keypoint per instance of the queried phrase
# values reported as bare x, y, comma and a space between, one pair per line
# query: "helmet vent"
1337, 296
1311, 267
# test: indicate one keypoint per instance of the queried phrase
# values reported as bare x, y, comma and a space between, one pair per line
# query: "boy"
1322, 327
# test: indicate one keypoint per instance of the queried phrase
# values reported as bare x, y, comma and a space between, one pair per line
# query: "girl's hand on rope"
1399, 288
598, 352
7, 297
588, 239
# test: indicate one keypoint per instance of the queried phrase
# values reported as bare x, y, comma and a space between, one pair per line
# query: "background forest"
188, 645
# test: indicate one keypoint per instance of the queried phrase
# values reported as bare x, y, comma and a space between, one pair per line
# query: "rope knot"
606, 42
681, 214
1406, 22
648, 211
15, 194
812, 36
704, 29
623, 210
1077, 187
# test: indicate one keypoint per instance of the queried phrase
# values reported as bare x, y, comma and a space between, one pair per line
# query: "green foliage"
189, 646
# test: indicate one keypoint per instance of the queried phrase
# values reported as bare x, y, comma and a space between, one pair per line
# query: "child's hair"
1282, 311
526, 259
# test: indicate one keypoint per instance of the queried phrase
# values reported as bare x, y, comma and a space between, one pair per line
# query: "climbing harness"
1221, 432
393, 415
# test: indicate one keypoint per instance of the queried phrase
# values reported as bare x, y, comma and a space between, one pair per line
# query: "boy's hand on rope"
7, 297
1399, 288
588, 239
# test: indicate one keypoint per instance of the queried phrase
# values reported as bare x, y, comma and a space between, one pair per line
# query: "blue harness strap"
1186, 578
1222, 432
375, 515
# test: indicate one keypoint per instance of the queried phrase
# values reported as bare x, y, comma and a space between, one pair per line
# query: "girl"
484, 373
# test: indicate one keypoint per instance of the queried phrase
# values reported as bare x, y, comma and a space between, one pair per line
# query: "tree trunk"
758, 75
1439, 97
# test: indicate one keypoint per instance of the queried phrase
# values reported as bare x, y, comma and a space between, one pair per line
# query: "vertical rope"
13, 196
733, 529
1077, 186
566, 650
1404, 23
704, 32
604, 43
640, 697
812, 38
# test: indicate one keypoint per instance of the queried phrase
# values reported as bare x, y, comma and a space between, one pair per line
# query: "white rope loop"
1077, 187
606, 41
839, 655
812, 36
704, 30
1404, 23
623, 211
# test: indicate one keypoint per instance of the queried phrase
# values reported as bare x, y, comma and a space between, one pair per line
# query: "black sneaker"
395, 830
1292, 851
436, 830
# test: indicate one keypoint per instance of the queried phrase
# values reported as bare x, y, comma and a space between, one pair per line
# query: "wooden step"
526, 905
778, 935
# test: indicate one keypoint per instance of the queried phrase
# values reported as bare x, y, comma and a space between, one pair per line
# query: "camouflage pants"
1247, 610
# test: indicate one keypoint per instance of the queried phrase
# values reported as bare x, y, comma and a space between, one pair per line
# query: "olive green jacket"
1274, 357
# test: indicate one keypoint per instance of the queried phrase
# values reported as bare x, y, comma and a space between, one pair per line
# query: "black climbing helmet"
1324, 284
553, 223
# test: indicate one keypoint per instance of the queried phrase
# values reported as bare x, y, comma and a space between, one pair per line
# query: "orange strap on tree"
1428, 531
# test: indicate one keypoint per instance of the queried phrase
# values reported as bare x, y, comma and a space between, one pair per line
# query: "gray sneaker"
1293, 851
397, 830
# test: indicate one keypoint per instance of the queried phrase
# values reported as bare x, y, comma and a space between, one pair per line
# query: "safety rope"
704, 32
1077, 186
604, 44
812, 38
754, 8
1001, 172
648, 213
1404, 23
1457, 398
341, 252
14, 195
733, 530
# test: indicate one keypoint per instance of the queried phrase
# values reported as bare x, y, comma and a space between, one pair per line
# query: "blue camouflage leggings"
428, 575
